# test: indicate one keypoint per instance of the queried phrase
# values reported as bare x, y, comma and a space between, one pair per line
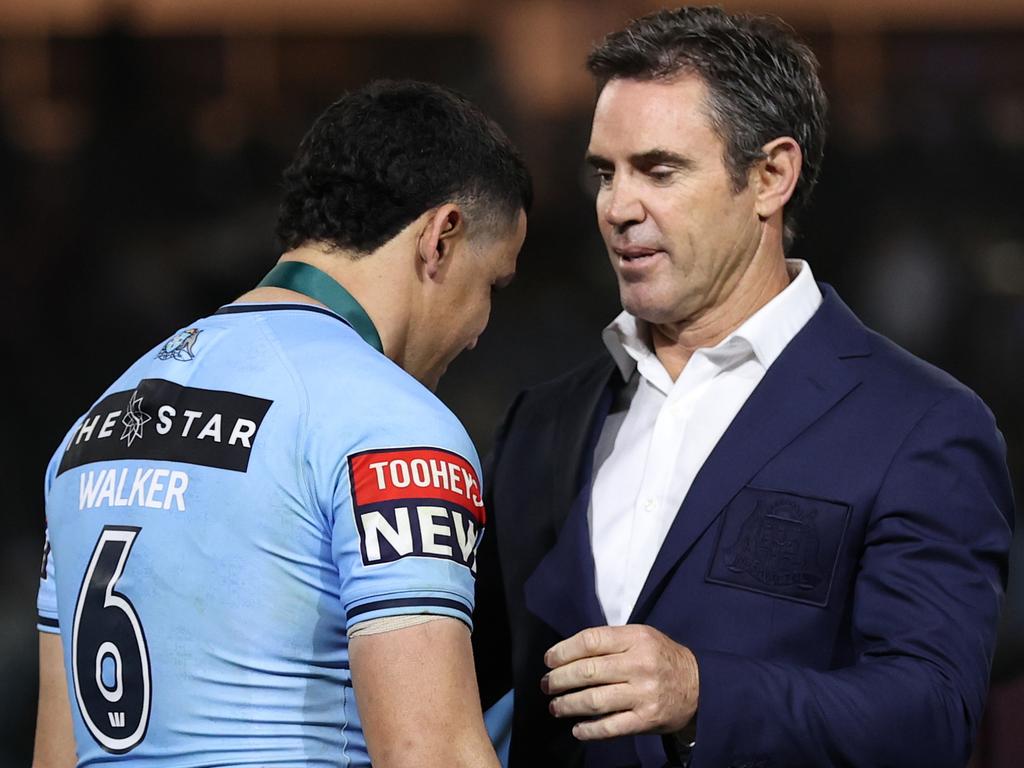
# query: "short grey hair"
762, 83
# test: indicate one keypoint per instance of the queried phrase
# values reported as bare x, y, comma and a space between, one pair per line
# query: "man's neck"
366, 278
674, 343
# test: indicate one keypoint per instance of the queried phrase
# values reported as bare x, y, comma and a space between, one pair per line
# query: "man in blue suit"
757, 533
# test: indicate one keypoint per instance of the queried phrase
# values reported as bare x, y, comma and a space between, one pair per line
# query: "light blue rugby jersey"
237, 499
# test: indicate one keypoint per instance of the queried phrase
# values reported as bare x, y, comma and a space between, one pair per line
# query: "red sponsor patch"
416, 473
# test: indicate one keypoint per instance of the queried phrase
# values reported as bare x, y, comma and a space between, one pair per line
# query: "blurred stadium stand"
141, 143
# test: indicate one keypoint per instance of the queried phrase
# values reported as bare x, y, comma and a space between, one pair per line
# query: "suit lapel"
802, 385
561, 590
580, 420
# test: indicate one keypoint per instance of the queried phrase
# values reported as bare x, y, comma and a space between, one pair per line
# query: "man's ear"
444, 226
775, 176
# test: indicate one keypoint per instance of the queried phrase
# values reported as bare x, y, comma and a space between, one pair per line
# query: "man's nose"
622, 205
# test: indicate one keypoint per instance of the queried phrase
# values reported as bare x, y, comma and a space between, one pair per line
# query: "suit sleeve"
926, 603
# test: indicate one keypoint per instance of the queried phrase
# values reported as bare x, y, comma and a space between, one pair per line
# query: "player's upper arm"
55, 739
405, 507
416, 692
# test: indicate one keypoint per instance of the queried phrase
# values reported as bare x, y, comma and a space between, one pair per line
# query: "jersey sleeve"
46, 599
396, 482
405, 505
46, 602
408, 519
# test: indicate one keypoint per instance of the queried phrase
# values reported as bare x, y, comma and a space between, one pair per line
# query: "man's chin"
648, 308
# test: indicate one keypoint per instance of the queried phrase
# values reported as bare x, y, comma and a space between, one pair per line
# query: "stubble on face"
678, 234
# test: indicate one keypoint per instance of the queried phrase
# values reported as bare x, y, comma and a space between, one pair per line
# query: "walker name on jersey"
416, 502
160, 420
151, 488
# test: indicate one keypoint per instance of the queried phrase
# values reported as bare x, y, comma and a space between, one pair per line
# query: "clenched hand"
630, 679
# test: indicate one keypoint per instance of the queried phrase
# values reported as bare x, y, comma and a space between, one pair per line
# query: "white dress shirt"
655, 441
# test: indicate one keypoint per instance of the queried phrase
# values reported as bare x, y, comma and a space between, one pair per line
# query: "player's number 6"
110, 660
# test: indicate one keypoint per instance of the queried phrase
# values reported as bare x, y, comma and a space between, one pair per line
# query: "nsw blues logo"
180, 346
780, 544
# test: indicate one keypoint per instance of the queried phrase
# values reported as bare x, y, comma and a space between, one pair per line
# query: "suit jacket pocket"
780, 543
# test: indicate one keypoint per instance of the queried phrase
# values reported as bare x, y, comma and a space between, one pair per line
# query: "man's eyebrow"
644, 159
660, 157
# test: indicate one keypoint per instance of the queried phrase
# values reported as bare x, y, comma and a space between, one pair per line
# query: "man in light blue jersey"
261, 539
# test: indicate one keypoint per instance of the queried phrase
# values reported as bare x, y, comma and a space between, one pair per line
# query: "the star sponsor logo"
162, 420
134, 419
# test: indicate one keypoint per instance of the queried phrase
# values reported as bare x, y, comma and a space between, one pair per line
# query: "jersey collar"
309, 281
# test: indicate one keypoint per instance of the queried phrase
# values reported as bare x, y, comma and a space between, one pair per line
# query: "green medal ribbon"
316, 284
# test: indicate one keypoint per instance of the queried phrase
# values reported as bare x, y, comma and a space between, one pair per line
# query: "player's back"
200, 574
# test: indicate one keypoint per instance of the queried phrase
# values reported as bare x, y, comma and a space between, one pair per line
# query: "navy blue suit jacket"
837, 566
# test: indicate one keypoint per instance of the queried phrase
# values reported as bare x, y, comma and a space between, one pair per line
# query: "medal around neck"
316, 284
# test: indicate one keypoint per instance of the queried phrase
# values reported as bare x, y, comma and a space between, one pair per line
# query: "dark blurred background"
141, 143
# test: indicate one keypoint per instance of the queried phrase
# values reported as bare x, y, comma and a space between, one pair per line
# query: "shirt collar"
764, 334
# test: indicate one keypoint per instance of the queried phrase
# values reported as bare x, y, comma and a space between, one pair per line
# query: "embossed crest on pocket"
780, 544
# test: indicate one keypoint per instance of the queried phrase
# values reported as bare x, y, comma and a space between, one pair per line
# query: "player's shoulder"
362, 381
350, 385
387, 406
125, 382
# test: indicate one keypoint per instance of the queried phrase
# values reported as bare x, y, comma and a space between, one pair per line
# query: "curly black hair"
762, 82
382, 155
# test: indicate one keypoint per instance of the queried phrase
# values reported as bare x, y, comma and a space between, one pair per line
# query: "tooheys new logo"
163, 421
416, 502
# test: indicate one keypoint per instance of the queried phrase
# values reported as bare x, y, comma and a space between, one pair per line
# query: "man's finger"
619, 724
593, 641
584, 673
600, 700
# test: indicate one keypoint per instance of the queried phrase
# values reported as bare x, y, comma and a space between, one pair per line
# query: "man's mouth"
635, 255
